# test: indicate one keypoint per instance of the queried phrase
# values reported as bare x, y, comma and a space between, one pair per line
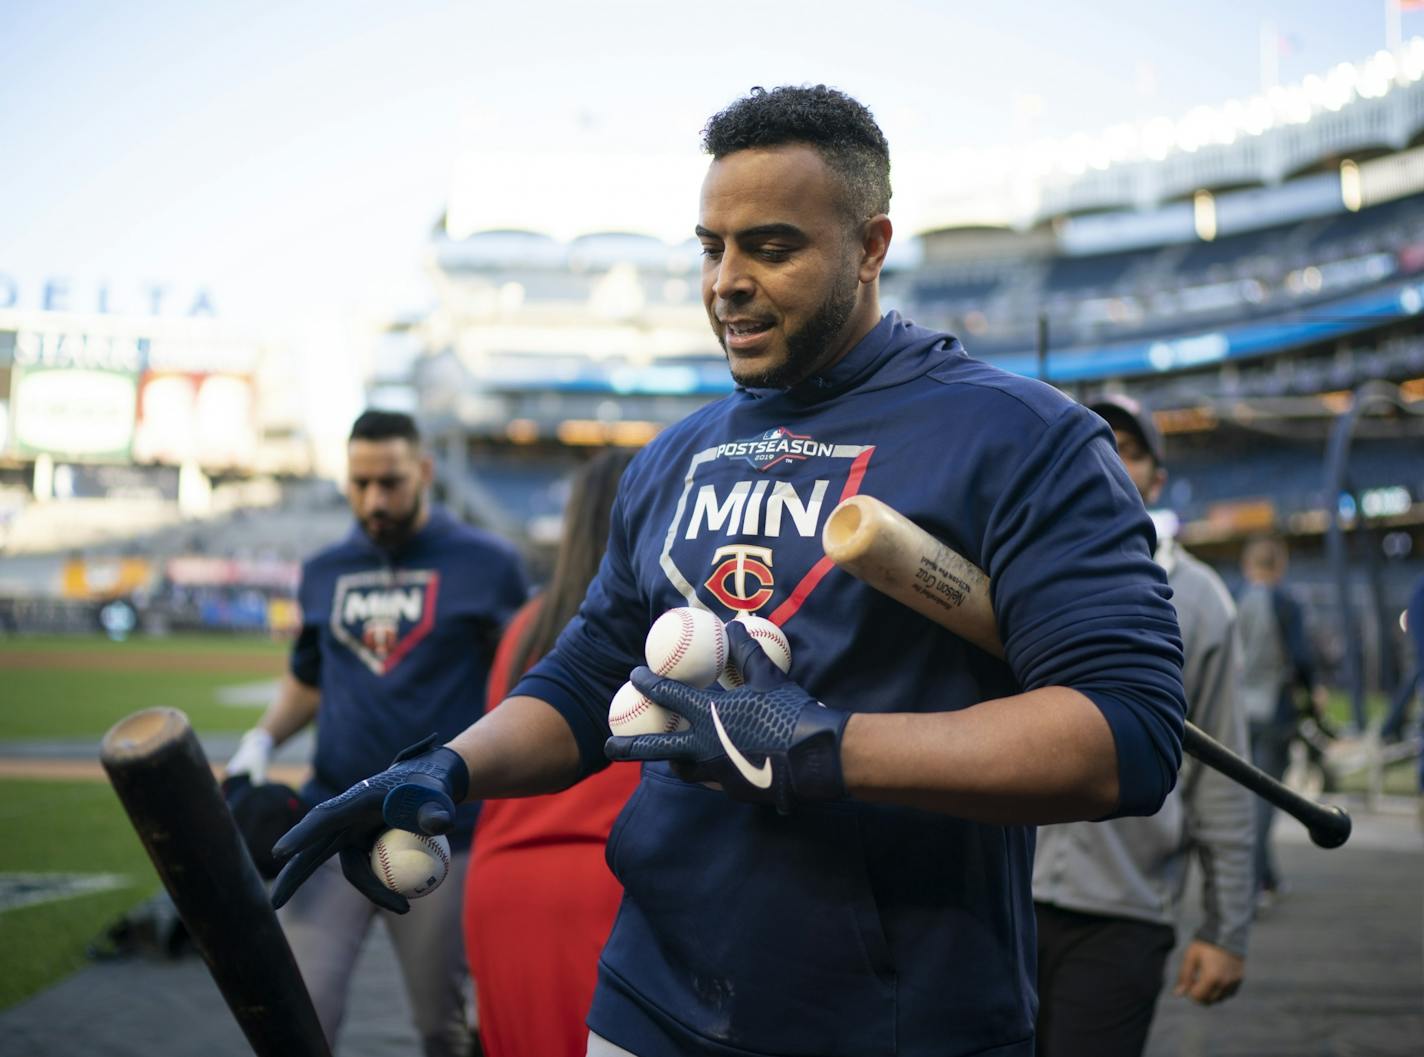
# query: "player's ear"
1159, 481
427, 470
875, 236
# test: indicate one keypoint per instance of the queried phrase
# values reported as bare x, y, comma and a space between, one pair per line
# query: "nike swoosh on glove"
418, 792
767, 741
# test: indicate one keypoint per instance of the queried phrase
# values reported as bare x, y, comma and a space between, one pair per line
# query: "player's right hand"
798, 738
252, 756
418, 792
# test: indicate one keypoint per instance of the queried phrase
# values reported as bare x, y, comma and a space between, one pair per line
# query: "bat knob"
433, 817
1333, 830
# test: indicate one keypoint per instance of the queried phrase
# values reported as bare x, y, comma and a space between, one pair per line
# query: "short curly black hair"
839, 128
385, 425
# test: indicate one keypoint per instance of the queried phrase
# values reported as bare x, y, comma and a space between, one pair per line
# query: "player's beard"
392, 532
806, 347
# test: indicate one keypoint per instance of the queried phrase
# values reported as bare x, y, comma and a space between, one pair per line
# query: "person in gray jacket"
1277, 658
1106, 894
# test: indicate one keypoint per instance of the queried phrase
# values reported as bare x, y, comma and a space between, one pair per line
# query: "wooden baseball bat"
877, 544
158, 769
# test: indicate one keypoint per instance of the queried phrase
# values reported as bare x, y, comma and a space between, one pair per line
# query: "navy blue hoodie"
400, 645
851, 929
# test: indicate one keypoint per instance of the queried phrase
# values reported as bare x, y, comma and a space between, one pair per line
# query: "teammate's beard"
391, 532
805, 348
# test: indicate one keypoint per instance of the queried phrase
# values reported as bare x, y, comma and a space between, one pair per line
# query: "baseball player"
399, 624
836, 862
1107, 894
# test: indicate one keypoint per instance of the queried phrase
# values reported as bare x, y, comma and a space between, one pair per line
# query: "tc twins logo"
380, 616
743, 580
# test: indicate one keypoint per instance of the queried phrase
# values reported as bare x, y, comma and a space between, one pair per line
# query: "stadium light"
1351, 192
1204, 215
1384, 63
1260, 115
1411, 64
522, 431
1340, 86
1157, 138
1373, 83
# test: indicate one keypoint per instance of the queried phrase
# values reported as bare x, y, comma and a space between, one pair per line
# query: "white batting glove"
252, 755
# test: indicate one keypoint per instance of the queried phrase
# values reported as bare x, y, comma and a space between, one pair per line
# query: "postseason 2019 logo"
775, 446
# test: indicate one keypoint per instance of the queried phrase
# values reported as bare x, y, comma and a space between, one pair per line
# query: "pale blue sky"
292, 156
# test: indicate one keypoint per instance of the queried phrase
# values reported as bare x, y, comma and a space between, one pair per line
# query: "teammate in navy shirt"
399, 623
835, 863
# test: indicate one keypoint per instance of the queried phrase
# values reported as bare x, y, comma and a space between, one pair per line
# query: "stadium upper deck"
1243, 267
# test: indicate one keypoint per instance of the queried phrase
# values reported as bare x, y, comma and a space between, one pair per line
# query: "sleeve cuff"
1233, 941
1148, 756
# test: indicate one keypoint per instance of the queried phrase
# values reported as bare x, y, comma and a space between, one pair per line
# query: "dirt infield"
38, 769
187, 660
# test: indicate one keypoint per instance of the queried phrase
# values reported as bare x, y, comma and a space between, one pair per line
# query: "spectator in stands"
539, 898
1106, 894
399, 625
1278, 659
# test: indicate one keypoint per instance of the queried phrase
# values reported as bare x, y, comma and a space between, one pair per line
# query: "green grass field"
57, 688
78, 688
45, 942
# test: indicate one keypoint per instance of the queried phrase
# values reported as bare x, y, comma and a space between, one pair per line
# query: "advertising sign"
73, 412
210, 418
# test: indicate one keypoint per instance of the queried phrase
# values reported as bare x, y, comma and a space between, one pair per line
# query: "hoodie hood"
893, 352
436, 527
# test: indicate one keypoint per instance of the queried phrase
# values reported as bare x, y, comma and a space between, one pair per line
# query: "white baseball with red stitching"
689, 645
631, 713
412, 864
773, 643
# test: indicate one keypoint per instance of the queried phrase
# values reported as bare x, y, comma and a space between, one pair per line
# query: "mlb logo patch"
380, 616
778, 445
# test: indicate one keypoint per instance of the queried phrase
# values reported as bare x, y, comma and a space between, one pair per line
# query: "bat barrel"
166, 786
847, 533
888, 551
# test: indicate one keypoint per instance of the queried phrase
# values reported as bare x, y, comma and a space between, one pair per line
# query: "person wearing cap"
1107, 894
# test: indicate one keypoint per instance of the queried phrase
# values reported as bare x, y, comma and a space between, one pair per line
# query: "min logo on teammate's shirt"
380, 616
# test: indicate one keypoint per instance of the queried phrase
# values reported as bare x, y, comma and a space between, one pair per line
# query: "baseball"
412, 864
689, 645
773, 643
631, 713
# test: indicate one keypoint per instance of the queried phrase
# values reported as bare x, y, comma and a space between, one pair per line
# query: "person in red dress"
539, 898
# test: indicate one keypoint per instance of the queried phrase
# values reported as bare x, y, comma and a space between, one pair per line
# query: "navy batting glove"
767, 741
418, 792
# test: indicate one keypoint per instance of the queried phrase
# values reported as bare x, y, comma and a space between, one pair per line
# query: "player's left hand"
767, 741
1209, 973
418, 792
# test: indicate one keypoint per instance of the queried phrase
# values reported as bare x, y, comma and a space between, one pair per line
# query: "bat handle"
1329, 826
432, 817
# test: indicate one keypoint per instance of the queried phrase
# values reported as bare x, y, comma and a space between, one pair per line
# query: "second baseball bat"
163, 779
877, 544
